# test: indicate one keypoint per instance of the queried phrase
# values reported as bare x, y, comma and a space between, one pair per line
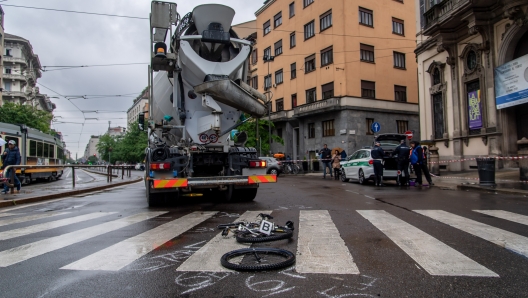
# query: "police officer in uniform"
402, 158
377, 155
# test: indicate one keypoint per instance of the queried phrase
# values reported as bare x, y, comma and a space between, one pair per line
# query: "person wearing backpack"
11, 157
424, 167
417, 160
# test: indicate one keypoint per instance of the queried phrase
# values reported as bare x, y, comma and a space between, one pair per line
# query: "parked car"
359, 165
140, 167
273, 166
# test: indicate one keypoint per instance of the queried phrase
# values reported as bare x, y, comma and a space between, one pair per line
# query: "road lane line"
370, 197
431, 254
7, 214
31, 250
508, 240
50, 225
10, 221
31, 205
357, 193
320, 248
125, 252
207, 258
518, 218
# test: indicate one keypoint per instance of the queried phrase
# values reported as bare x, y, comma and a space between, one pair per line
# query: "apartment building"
472, 102
91, 147
137, 107
1, 50
333, 68
21, 69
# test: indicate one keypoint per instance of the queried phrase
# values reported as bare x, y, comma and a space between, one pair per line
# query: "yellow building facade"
337, 67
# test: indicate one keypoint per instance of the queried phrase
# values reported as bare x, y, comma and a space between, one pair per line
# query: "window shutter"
278, 16
328, 87
368, 85
311, 57
366, 47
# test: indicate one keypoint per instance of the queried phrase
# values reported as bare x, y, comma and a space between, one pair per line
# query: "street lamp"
269, 58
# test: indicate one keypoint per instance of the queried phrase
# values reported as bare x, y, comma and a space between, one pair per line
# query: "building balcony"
449, 14
337, 104
17, 77
317, 107
14, 60
14, 94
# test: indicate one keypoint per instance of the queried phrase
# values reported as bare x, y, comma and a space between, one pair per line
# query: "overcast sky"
64, 39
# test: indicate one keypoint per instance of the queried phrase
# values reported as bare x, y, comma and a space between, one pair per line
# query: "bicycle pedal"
289, 225
225, 232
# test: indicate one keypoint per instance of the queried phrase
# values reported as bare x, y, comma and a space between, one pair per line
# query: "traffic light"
95, 155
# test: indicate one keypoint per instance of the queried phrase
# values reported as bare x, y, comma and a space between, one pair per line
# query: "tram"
36, 148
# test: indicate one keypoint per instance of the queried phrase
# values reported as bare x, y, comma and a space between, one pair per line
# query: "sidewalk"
63, 188
507, 181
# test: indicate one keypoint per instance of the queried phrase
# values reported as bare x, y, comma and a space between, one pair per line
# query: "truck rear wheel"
153, 200
246, 195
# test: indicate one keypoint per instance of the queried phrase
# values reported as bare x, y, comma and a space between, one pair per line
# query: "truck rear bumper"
201, 182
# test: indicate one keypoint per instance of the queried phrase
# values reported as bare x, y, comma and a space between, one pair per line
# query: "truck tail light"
156, 166
257, 164
279, 163
371, 162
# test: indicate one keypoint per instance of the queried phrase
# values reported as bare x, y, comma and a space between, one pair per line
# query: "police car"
359, 165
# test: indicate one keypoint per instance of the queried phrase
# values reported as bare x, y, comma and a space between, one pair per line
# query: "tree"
106, 143
25, 114
250, 128
128, 148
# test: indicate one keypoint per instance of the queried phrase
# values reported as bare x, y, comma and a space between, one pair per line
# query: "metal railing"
109, 171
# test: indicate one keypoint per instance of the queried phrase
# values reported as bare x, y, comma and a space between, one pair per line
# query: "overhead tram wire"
141, 18
79, 12
78, 141
44, 68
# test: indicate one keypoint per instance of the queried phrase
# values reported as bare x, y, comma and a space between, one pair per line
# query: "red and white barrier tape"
486, 157
477, 179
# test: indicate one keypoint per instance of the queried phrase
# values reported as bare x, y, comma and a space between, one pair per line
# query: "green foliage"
129, 148
92, 159
25, 114
250, 128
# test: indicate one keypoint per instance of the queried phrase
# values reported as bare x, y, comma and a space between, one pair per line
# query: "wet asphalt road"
385, 269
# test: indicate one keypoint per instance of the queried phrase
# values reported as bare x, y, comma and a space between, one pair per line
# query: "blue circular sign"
376, 127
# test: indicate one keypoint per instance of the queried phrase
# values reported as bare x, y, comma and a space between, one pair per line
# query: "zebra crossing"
320, 247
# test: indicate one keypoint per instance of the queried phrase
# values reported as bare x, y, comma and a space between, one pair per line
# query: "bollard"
73, 177
12, 176
122, 173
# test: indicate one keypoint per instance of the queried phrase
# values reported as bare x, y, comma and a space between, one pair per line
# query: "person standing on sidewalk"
377, 155
402, 158
425, 168
336, 159
416, 157
11, 157
326, 157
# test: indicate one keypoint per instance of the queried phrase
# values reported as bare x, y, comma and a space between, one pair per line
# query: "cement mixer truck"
197, 98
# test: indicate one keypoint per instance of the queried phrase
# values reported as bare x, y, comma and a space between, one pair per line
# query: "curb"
493, 190
9, 203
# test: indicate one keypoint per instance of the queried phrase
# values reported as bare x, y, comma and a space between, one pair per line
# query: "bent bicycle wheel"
257, 259
248, 237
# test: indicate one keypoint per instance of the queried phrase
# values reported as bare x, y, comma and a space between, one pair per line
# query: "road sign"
409, 134
376, 127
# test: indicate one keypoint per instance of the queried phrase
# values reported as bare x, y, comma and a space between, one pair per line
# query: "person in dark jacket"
402, 158
377, 155
11, 157
424, 167
416, 158
326, 156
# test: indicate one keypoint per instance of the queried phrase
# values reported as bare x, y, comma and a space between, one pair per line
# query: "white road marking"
7, 214
50, 225
31, 250
357, 193
434, 256
370, 197
518, 218
320, 248
31, 205
10, 221
125, 252
508, 240
207, 258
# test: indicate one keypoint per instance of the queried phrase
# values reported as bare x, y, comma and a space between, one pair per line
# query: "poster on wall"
474, 110
511, 83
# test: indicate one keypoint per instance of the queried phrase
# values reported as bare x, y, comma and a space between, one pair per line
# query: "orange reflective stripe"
262, 179
172, 183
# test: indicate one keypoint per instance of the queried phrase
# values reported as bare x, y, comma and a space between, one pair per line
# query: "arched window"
471, 60
436, 76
